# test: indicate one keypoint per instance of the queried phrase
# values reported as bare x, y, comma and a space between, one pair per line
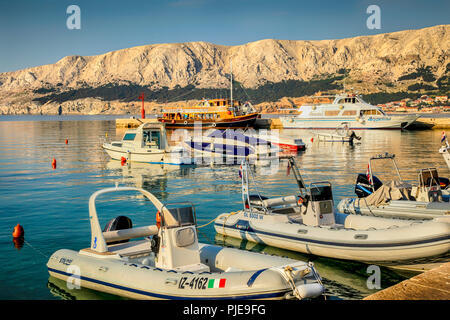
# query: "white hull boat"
148, 143
345, 108
397, 199
308, 224
342, 134
173, 265
444, 150
230, 147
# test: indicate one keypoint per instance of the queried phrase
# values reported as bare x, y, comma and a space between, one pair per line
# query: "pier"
433, 284
432, 123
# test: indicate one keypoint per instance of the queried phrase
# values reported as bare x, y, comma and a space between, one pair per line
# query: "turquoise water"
52, 204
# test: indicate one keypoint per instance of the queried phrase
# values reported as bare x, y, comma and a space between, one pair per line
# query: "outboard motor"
363, 188
443, 182
118, 223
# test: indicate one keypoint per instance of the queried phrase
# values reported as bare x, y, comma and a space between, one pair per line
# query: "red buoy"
123, 160
18, 231
312, 139
67, 141
54, 163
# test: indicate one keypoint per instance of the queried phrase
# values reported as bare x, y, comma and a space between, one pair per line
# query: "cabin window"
129, 136
349, 113
332, 113
370, 112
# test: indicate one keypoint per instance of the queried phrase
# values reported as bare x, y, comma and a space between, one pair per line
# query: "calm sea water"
52, 205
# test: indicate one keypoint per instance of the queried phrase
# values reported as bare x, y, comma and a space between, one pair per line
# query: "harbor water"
52, 204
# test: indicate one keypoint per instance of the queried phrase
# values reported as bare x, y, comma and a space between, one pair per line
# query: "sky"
34, 32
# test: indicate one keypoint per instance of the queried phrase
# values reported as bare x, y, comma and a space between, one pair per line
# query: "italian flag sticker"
216, 283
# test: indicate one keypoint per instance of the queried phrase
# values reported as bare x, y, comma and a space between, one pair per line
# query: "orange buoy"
54, 163
18, 231
67, 141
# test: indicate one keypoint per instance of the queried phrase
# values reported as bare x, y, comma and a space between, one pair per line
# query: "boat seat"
132, 248
196, 267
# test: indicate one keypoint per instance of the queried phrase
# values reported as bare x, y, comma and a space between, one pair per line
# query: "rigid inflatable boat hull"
396, 209
398, 243
139, 281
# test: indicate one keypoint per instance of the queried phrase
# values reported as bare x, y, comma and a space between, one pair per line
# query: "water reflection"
52, 205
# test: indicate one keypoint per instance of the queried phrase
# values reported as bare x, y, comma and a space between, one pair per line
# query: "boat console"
320, 209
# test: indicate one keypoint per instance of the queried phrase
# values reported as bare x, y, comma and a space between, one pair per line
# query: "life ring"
300, 201
213, 124
185, 122
173, 121
158, 219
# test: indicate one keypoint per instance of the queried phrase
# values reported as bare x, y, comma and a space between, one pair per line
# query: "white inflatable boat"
173, 265
307, 223
398, 199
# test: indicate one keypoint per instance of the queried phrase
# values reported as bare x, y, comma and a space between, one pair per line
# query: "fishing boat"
214, 113
166, 261
147, 143
307, 222
397, 198
345, 108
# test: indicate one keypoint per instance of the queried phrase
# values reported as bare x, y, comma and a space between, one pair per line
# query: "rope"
35, 249
204, 225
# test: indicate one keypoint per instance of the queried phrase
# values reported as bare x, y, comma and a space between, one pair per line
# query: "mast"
231, 86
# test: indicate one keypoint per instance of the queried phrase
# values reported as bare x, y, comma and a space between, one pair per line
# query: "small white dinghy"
397, 199
308, 224
173, 265
342, 134
147, 143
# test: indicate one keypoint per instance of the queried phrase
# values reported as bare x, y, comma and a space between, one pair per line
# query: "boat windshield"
178, 217
321, 193
129, 136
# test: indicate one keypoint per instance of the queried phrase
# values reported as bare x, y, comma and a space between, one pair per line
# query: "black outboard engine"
444, 182
363, 188
118, 223
154, 244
